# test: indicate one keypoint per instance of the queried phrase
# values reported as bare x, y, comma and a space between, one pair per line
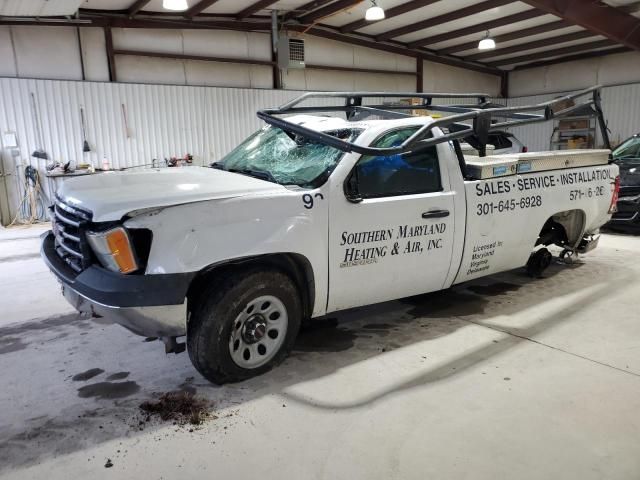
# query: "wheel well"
295, 265
564, 229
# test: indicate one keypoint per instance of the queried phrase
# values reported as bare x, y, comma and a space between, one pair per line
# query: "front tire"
244, 325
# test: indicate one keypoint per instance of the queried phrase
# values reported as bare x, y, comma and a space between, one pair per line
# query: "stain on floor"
324, 335
87, 375
118, 376
494, 289
108, 390
11, 344
451, 302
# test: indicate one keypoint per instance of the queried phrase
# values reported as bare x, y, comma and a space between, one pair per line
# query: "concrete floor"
504, 378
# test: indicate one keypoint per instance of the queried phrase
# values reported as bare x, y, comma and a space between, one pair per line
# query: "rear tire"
244, 325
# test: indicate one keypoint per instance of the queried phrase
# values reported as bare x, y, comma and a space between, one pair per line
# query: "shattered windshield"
277, 156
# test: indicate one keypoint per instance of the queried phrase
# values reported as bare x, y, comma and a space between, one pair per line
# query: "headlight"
113, 249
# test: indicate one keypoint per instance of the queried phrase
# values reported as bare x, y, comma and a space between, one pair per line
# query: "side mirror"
351, 187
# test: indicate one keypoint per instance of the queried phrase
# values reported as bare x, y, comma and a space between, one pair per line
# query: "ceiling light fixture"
487, 43
175, 5
374, 12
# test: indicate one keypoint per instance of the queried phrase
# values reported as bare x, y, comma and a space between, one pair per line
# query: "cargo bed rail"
483, 116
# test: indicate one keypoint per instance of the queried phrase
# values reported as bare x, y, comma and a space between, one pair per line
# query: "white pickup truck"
314, 214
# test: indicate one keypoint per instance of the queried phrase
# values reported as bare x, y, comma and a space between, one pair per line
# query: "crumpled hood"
111, 195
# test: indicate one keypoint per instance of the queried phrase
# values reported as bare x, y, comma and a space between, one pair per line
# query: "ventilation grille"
296, 50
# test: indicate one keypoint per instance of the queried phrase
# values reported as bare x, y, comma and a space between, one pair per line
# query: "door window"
628, 150
400, 174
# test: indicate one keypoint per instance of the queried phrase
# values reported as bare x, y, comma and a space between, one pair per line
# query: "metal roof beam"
137, 6
523, 47
630, 8
327, 11
254, 7
596, 16
552, 53
570, 58
390, 13
199, 8
440, 19
123, 21
481, 27
304, 9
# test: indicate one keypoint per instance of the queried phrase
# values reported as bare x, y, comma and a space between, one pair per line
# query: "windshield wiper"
261, 174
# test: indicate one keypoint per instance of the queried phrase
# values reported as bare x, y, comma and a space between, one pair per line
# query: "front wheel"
244, 325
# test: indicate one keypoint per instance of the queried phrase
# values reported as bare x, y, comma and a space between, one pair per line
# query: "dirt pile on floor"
180, 407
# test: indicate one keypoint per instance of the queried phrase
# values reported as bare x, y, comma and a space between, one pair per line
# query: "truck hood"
111, 195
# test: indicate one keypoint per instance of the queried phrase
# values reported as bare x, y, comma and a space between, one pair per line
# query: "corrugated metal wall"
161, 121
621, 106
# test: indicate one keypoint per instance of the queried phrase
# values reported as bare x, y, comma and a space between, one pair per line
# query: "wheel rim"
258, 332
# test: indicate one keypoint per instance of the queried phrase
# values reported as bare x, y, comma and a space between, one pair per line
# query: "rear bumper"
149, 305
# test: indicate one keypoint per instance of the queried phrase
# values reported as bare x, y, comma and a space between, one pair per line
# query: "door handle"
435, 214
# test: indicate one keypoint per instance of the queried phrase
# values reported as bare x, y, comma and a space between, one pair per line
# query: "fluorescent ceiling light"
175, 5
374, 12
487, 43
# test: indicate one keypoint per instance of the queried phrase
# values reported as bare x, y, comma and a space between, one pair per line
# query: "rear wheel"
244, 325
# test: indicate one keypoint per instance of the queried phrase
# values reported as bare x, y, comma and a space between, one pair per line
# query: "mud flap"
588, 243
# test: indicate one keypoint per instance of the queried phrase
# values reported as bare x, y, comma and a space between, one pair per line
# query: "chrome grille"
69, 226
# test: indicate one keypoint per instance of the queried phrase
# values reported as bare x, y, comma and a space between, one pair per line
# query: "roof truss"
390, 13
508, 37
553, 53
596, 16
523, 47
444, 18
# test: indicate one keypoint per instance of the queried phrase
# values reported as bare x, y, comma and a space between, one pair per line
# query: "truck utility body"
315, 214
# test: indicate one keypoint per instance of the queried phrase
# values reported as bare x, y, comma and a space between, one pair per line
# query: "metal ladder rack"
482, 118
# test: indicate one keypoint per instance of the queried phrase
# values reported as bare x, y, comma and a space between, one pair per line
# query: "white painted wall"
446, 79
52, 52
321, 51
246, 45
608, 70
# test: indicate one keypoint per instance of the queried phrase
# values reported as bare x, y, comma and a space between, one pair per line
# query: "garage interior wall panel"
320, 51
52, 52
45, 52
621, 106
8, 67
606, 70
94, 54
447, 79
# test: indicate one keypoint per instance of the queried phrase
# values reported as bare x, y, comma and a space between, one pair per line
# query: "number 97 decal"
308, 199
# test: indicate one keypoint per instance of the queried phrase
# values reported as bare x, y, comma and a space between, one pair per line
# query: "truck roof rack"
481, 115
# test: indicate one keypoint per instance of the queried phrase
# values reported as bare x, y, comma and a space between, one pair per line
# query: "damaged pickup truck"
325, 209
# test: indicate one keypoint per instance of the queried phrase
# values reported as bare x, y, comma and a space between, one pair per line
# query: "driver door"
396, 238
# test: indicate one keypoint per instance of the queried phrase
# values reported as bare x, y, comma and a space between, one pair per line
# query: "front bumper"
627, 216
149, 305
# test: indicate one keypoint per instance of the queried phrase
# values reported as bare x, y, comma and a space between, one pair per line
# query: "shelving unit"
574, 133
